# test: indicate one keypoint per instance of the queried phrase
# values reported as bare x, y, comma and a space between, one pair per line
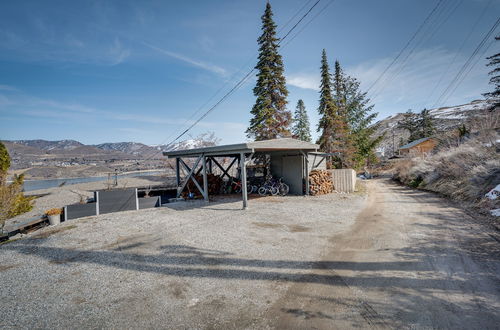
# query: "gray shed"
291, 159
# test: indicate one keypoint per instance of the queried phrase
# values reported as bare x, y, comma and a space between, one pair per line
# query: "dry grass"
464, 173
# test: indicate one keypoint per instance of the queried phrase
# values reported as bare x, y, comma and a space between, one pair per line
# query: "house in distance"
418, 147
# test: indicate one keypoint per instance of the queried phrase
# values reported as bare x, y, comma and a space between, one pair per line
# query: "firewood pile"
214, 185
320, 182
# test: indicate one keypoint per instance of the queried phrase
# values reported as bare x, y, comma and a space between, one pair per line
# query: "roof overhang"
275, 145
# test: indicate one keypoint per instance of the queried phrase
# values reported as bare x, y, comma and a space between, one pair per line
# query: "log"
320, 182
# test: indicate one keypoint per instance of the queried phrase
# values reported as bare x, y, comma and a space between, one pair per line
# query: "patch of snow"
493, 193
495, 212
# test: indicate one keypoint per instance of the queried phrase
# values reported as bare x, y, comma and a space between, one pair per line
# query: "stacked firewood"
320, 182
214, 185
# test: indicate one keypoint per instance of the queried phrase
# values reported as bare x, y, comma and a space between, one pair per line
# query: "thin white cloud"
8, 88
205, 66
117, 52
415, 85
308, 80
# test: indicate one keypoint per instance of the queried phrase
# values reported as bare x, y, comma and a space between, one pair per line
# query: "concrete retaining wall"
344, 180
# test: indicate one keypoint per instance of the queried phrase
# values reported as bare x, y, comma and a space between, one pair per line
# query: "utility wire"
308, 22
242, 81
426, 35
460, 74
227, 82
406, 45
450, 64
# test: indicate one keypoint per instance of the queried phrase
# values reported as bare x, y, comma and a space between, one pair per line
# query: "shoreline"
92, 176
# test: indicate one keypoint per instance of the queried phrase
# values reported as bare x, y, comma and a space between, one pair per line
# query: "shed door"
292, 173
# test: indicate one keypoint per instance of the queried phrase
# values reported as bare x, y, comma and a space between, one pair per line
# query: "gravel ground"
189, 265
71, 194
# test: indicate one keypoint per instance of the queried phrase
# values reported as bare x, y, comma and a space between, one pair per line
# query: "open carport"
290, 159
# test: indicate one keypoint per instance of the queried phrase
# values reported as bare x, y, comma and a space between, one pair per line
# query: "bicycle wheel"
262, 191
249, 189
284, 189
274, 191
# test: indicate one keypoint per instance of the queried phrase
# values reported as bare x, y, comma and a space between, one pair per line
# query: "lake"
30, 185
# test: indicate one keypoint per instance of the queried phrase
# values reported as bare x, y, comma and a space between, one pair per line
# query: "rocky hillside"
446, 118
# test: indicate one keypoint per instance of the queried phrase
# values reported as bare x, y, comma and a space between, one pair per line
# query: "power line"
425, 36
243, 80
450, 64
406, 45
308, 22
457, 80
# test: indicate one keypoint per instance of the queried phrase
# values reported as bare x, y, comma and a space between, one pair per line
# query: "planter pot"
54, 219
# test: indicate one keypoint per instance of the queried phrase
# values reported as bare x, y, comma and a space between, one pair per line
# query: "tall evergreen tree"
494, 80
342, 133
301, 128
270, 118
327, 110
360, 116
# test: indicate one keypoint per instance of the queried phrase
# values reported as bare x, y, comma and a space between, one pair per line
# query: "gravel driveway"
190, 265
394, 258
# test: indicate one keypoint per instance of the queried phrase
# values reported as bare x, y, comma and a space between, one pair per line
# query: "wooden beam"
306, 171
244, 180
224, 171
205, 179
189, 176
177, 172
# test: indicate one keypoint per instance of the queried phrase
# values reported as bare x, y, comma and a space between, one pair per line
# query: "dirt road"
411, 260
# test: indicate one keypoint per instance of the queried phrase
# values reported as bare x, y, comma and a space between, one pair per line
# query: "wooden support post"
177, 172
205, 179
243, 176
306, 171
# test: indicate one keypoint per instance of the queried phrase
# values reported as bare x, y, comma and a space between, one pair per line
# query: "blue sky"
110, 71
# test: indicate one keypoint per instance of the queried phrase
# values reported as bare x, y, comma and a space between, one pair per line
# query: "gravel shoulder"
189, 265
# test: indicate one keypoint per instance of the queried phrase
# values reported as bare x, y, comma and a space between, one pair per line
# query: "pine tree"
270, 119
360, 116
494, 80
410, 123
327, 110
343, 137
426, 124
301, 128
419, 125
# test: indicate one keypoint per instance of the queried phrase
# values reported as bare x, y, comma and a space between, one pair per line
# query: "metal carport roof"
285, 144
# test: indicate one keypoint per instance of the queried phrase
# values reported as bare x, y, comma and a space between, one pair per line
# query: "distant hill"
446, 118
131, 148
50, 145
34, 149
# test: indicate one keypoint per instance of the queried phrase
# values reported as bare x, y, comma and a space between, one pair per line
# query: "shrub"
12, 200
54, 211
464, 172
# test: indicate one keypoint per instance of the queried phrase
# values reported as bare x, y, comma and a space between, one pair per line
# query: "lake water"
30, 185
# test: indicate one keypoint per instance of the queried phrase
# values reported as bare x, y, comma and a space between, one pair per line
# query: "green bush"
12, 200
